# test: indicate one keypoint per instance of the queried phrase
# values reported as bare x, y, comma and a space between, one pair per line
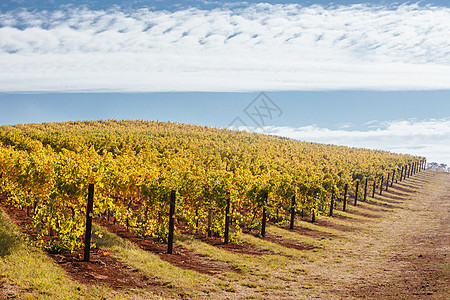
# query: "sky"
372, 74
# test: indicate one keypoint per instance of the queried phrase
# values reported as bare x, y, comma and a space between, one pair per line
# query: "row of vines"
46, 168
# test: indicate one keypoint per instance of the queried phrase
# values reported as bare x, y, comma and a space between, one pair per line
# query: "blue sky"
373, 74
181, 4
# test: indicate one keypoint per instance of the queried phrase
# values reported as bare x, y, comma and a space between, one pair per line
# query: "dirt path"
404, 255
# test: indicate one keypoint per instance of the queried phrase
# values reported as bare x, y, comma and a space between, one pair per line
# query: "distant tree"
438, 167
433, 166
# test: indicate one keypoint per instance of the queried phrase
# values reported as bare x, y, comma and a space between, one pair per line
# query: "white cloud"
260, 47
430, 138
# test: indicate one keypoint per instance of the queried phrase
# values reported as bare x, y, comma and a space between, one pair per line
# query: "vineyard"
220, 182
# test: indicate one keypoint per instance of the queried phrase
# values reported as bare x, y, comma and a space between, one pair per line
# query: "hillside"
136, 164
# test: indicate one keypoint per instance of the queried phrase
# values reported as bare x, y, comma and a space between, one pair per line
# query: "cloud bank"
430, 138
258, 47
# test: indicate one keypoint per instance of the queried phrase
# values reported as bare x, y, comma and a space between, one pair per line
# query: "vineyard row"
134, 165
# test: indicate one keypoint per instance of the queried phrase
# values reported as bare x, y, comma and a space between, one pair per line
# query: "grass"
384, 203
364, 206
30, 274
296, 236
272, 247
319, 228
279, 272
349, 214
175, 280
257, 274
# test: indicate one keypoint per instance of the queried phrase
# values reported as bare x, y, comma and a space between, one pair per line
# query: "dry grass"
30, 274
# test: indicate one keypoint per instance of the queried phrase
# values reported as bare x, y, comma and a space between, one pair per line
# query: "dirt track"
404, 255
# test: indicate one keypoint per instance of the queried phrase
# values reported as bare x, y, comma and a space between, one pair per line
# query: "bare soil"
404, 255
101, 269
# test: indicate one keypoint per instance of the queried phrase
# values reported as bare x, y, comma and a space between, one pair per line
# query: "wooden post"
89, 212
393, 176
387, 181
227, 224
210, 219
330, 214
365, 191
409, 170
401, 174
263, 223
35, 203
381, 184
171, 221
374, 187
356, 193
292, 213
345, 197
